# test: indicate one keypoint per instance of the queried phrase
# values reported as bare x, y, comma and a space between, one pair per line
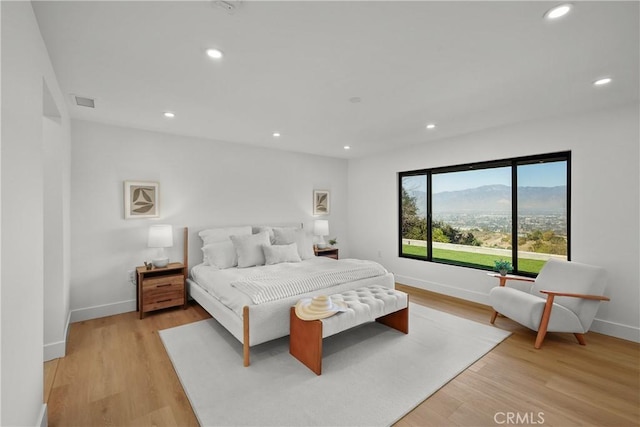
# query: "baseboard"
58, 349
440, 288
604, 327
104, 310
617, 330
43, 420
54, 350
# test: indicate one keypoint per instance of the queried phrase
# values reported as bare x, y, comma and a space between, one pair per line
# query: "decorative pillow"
221, 254
281, 253
304, 241
284, 235
213, 235
249, 248
260, 229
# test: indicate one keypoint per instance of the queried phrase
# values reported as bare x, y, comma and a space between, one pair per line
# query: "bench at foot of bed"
387, 306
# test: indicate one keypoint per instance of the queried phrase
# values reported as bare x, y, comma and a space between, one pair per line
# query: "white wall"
605, 204
57, 164
25, 69
202, 183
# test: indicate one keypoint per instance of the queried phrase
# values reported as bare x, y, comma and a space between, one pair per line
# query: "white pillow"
260, 229
304, 240
281, 253
213, 235
284, 235
249, 248
221, 254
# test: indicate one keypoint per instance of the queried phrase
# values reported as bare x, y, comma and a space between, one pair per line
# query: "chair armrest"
520, 278
503, 279
583, 296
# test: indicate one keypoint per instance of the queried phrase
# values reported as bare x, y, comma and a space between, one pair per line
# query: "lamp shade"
160, 236
321, 227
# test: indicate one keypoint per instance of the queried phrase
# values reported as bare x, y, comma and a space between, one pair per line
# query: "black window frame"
509, 162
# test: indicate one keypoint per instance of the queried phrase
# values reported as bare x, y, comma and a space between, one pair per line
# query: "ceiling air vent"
229, 6
84, 101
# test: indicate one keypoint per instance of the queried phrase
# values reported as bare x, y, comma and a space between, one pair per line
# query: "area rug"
371, 375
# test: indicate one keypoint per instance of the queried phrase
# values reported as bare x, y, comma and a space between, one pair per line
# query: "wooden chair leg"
544, 322
493, 317
580, 338
539, 338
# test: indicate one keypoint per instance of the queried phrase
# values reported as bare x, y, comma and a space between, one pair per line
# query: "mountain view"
495, 199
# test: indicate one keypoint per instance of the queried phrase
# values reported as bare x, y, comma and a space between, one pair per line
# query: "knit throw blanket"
271, 287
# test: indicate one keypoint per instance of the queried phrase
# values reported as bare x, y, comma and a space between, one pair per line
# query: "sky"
534, 175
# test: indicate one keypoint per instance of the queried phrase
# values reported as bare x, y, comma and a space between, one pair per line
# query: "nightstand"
328, 252
161, 287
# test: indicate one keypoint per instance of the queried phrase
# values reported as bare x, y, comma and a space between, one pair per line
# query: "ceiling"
295, 67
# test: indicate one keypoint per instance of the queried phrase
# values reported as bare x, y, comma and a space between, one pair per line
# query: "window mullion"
514, 215
429, 219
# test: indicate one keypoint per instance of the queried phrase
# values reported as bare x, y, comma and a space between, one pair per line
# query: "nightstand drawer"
162, 292
162, 282
168, 299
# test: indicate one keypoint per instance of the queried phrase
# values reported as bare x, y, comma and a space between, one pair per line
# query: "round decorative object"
160, 262
318, 307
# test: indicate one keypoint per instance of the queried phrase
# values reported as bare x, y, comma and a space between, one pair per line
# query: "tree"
413, 226
438, 236
448, 234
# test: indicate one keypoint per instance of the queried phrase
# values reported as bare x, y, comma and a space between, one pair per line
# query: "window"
413, 223
473, 215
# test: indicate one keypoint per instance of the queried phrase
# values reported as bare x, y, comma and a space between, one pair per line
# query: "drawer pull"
164, 300
162, 286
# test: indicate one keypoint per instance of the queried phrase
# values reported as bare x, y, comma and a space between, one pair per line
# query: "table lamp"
321, 228
160, 236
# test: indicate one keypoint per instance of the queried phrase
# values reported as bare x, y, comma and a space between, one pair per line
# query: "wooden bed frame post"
185, 251
245, 338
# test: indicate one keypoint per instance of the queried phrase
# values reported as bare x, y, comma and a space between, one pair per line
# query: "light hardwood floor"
117, 372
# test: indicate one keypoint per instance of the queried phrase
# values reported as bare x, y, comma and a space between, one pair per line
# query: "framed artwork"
141, 199
321, 202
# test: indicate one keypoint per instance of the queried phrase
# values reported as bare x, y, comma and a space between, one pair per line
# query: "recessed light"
169, 114
347, 147
276, 134
214, 53
602, 81
431, 126
558, 11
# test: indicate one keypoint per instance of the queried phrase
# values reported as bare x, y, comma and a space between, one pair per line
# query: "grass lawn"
471, 259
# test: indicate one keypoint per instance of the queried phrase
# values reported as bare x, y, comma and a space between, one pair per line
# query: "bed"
249, 277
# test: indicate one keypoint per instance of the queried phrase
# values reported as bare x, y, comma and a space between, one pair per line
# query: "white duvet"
219, 282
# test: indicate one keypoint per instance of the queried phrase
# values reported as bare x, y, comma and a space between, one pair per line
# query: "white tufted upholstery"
365, 305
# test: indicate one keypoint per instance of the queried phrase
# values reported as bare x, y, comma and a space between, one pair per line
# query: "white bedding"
218, 282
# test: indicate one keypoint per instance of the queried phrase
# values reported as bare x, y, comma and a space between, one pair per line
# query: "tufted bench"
387, 306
